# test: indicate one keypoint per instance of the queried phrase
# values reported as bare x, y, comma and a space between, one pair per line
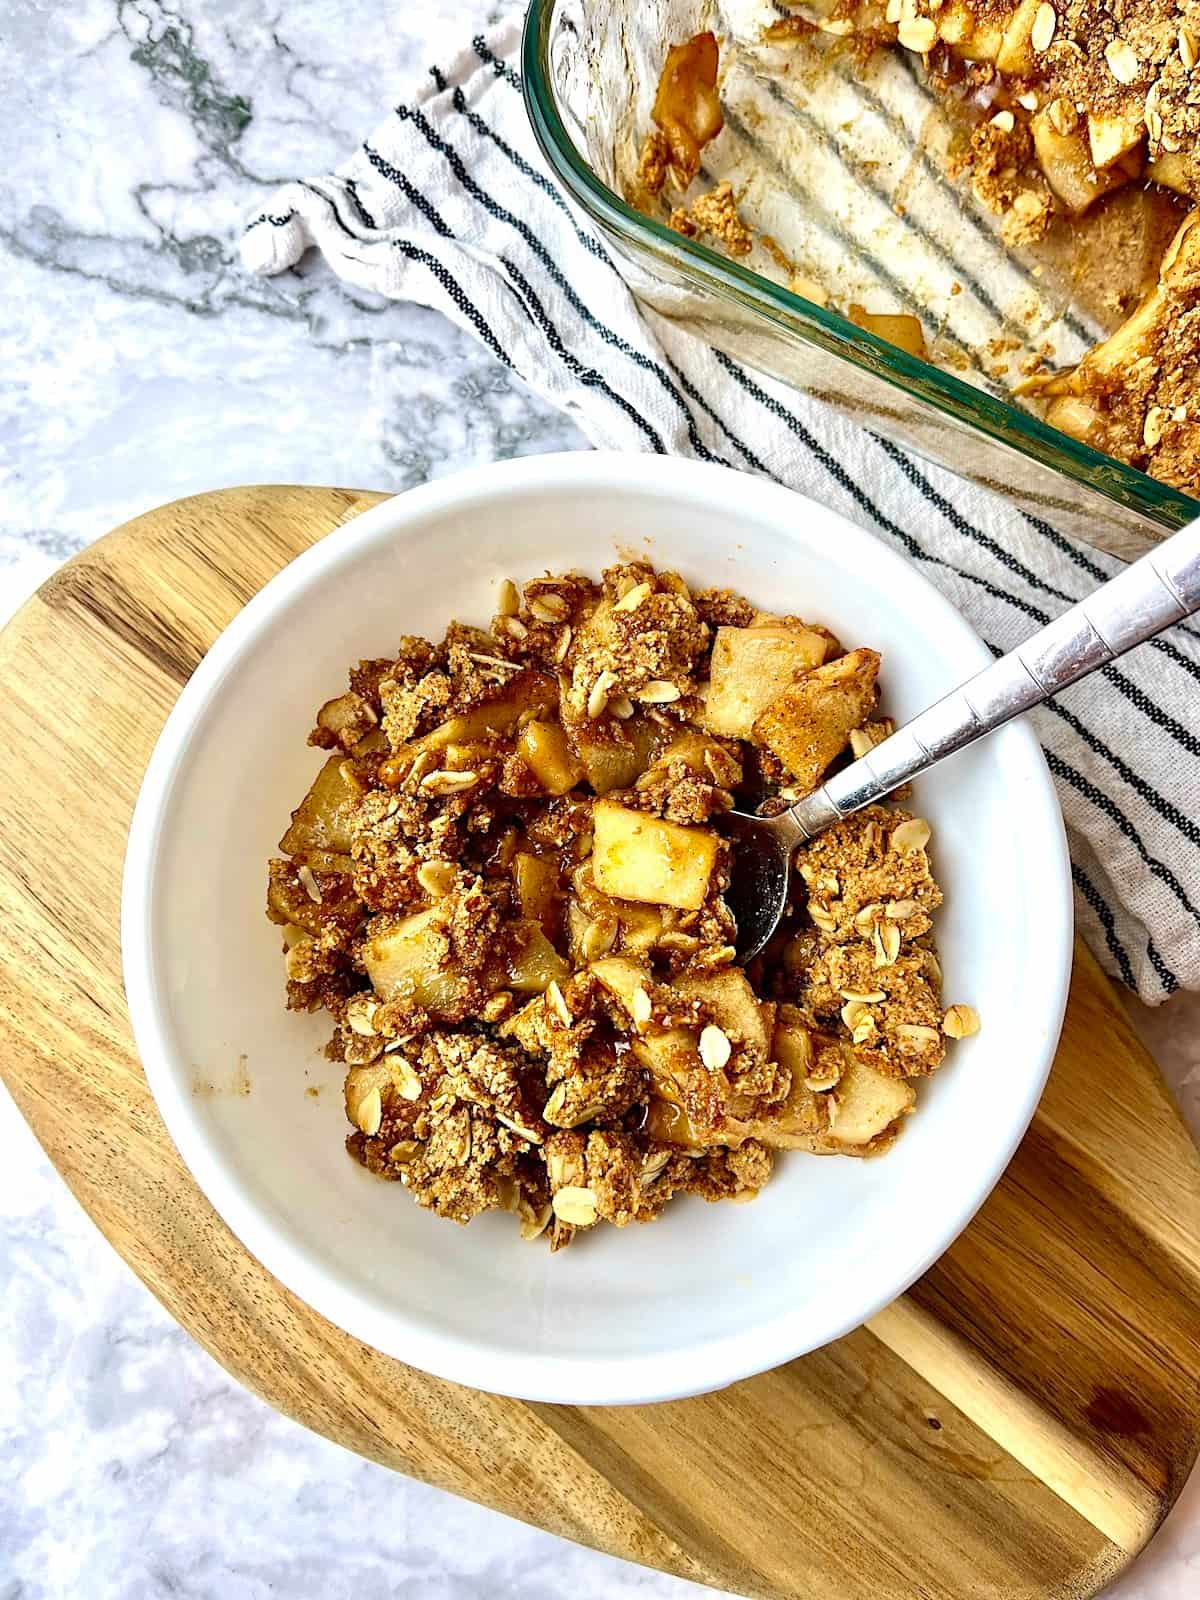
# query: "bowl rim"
561, 1380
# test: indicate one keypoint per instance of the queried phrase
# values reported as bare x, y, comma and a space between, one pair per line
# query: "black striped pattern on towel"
448, 203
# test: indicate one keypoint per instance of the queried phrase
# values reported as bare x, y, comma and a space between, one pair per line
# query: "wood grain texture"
1015, 1427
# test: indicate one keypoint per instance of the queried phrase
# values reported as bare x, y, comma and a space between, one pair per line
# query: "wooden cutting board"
1016, 1426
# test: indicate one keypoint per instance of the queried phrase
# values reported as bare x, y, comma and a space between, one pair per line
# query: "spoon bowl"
758, 889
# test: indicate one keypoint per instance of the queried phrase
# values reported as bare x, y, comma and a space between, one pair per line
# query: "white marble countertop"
138, 365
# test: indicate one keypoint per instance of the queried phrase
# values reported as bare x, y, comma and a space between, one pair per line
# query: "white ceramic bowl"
708, 1294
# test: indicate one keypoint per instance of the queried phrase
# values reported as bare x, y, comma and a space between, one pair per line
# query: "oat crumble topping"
1068, 101
505, 889
715, 214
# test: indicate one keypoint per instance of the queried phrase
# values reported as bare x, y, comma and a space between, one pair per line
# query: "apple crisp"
1064, 102
505, 888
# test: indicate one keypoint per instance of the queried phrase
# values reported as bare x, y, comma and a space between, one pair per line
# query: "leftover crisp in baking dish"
505, 887
1066, 102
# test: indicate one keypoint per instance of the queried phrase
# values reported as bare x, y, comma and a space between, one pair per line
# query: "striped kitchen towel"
448, 203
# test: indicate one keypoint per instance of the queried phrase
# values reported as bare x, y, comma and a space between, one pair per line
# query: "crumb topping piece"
1137, 395
714, 214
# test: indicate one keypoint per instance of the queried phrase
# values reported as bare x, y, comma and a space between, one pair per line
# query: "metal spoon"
1161, 588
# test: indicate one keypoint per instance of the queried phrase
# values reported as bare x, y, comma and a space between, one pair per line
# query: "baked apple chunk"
641, 857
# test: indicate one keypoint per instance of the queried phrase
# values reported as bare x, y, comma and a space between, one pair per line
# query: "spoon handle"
1155, 591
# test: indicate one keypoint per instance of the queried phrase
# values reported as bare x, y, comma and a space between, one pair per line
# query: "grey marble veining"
132, 1467
139, 364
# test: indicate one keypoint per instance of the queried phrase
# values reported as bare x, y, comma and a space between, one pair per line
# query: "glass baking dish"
847, 168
